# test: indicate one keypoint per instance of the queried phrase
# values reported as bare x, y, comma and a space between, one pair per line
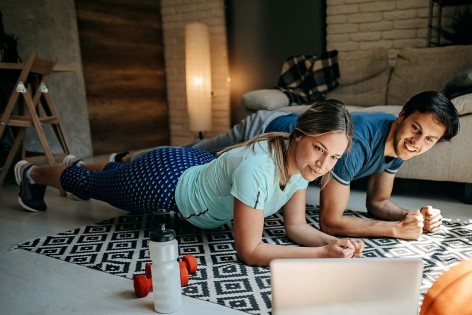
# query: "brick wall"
392, 24
175, 15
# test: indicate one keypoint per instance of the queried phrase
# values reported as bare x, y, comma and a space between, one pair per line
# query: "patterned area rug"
119, 246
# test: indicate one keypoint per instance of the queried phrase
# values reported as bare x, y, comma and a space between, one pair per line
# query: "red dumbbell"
143, 283
188, 265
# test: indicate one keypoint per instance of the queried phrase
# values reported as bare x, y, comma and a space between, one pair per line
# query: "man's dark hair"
441, 108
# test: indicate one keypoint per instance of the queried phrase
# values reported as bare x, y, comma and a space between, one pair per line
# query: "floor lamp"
198, 76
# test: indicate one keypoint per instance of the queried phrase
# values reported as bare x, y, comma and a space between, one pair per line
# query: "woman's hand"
359, 247
345, 248
340, 248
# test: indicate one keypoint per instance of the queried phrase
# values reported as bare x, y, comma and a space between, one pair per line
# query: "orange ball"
451, 293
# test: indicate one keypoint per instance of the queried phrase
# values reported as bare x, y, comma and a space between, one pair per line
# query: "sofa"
376, 80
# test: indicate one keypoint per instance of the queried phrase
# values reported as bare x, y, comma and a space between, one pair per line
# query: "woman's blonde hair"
321, 118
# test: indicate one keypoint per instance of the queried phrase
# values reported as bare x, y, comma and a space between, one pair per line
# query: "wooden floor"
37, 284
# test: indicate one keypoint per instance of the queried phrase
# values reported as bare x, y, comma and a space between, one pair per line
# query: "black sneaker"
72, 160
118, 157
31, 196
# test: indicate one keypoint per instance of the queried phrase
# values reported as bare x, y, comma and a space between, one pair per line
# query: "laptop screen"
346, 286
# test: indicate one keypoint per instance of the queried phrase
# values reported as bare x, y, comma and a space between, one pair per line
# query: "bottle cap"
162, 235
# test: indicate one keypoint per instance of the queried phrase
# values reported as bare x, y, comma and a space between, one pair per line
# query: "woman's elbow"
248, 258
291, 232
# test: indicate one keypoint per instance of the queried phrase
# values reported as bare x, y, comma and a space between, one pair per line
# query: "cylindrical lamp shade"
198, 76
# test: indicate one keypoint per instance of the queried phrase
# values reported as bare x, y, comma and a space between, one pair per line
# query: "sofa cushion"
357, 66
395, 110
363, 78
369, 92
268, 99
463, 104
425, 69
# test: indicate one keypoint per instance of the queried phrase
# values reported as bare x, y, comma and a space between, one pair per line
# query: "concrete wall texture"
49, 28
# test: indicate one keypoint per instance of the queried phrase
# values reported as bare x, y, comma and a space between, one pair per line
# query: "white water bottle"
164, 251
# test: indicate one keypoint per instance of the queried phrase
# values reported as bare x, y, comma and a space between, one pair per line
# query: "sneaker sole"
26, 207
18, 174
112, 157
68, 160
120, 155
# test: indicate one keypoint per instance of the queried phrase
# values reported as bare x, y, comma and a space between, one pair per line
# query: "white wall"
392, 24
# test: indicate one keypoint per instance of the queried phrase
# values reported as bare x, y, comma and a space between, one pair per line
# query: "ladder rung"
26, 121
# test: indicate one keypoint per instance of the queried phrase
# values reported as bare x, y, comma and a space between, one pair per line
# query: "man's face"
416, 134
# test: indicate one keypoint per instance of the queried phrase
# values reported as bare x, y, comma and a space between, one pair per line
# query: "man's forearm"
386, 210
358, 227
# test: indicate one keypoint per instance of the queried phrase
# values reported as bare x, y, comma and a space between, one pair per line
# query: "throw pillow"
267, 99
304, 78
459, 85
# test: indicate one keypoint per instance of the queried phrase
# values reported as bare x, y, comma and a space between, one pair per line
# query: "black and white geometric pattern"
119, 246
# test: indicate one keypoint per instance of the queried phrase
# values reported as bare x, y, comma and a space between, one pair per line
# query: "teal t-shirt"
205, 193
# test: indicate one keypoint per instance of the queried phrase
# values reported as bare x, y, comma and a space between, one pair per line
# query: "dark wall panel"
262, 34
123, 61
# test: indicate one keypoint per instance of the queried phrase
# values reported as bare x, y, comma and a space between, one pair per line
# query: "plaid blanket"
304, 78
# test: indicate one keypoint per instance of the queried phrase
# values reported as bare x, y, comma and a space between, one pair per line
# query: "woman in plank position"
245, 183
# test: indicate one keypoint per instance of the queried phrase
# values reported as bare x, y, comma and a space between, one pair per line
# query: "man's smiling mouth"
410, 148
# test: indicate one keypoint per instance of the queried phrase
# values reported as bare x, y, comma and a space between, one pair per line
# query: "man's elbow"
374, 207
331, 227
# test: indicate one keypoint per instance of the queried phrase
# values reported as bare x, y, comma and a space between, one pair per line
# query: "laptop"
335, 286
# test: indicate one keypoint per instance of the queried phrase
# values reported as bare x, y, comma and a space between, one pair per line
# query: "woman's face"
313, 157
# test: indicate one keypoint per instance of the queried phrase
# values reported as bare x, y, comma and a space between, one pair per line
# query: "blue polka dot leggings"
141, 186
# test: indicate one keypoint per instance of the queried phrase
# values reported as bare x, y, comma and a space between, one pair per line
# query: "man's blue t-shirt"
366, 156
283, 123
